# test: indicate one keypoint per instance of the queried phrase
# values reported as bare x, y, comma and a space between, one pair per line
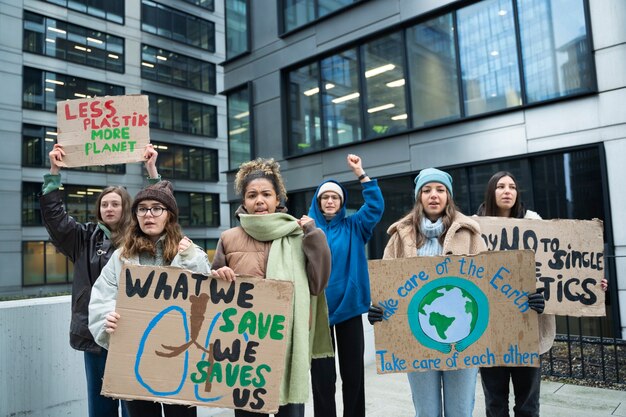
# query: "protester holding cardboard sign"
89, 246
503, 199
348, 292
153, 238
270, 243
435, 227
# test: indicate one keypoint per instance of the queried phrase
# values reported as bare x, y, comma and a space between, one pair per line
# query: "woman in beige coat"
436, 227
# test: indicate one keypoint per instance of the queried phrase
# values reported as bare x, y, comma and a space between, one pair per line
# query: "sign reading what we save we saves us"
103, 130
189, 338
454, 312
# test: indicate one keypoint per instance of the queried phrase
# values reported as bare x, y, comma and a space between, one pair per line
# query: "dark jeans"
99, 406
151, 409
350, 347
526, 385
287, 410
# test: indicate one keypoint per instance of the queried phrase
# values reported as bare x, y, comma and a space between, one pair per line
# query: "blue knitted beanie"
432, 175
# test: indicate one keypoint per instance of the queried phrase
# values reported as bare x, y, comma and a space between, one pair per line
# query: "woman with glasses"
153, 238
89, 246
348, 291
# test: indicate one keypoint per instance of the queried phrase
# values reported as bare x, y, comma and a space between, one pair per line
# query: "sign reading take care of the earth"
453, 312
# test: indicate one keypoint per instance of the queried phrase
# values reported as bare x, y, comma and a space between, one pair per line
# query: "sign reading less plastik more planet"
103, 130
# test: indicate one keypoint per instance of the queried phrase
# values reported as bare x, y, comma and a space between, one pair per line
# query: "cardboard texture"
455, 312
187, 338
103, 130
569, 256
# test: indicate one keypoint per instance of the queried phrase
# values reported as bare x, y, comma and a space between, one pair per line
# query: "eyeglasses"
155, 211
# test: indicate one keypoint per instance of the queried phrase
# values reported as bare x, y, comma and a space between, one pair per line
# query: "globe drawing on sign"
448, 314
448, 311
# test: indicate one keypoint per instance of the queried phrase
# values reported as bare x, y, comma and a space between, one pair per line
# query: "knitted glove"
536, 301
374, 314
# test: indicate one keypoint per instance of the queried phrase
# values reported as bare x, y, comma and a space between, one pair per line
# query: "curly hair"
260, 168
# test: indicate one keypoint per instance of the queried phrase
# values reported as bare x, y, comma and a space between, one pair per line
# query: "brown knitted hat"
162, 191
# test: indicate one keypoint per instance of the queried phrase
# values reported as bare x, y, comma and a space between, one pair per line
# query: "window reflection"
305, 109
111, 10
198, 209
183, 116
433, 71
300, 12
385, 81
341, 98
555, 47
236, 27
239, 137
488, 52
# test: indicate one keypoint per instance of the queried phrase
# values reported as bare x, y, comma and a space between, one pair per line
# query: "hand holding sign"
56, 159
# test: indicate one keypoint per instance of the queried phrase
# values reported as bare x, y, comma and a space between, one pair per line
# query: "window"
178, 26
205, 4
556, 49
304, 116
296, 13
209, 245
462, 64
43, 264
176, 69
341, 98
38, 141
488, 55
111, 10
198, 209
237, 35
183, 116
42, 89
383, 69
62, 40
239, 126
433, 71
187, 162
80, 202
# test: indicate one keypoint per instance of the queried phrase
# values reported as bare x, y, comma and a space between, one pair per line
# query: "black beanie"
162, 191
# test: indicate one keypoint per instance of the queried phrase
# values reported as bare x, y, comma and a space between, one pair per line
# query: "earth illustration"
448, 314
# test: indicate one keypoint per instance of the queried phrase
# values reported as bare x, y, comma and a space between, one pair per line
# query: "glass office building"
534, 87
56, 50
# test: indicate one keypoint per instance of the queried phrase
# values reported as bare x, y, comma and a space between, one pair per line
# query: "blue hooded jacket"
348, 291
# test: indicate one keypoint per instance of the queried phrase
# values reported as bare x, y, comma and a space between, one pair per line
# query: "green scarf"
286, 261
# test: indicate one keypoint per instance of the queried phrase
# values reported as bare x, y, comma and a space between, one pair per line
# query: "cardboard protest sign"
569, 256
188, 338
103, 130
455, 312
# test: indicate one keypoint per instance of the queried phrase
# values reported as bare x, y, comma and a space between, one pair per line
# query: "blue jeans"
99, 406
459, 390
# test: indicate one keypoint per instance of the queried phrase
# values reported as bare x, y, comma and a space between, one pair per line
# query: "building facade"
535, 87
65, 49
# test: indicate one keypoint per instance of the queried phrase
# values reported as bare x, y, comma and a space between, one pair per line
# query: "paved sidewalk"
389, 396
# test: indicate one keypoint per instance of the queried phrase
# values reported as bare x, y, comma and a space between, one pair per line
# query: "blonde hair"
260, 168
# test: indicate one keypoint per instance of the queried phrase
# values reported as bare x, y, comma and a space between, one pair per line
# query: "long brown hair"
136, 241
489, 206
117, 234
448, 216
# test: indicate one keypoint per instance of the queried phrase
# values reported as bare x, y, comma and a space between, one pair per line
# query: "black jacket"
87, 246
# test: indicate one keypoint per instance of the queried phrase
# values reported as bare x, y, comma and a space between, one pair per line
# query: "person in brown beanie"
154, 238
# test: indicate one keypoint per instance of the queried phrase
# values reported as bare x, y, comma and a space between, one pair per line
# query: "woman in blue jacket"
348, 291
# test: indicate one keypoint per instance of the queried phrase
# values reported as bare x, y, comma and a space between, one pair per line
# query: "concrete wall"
40, 374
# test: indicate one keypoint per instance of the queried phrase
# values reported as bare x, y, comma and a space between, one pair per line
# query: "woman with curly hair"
154, 238
271, 243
